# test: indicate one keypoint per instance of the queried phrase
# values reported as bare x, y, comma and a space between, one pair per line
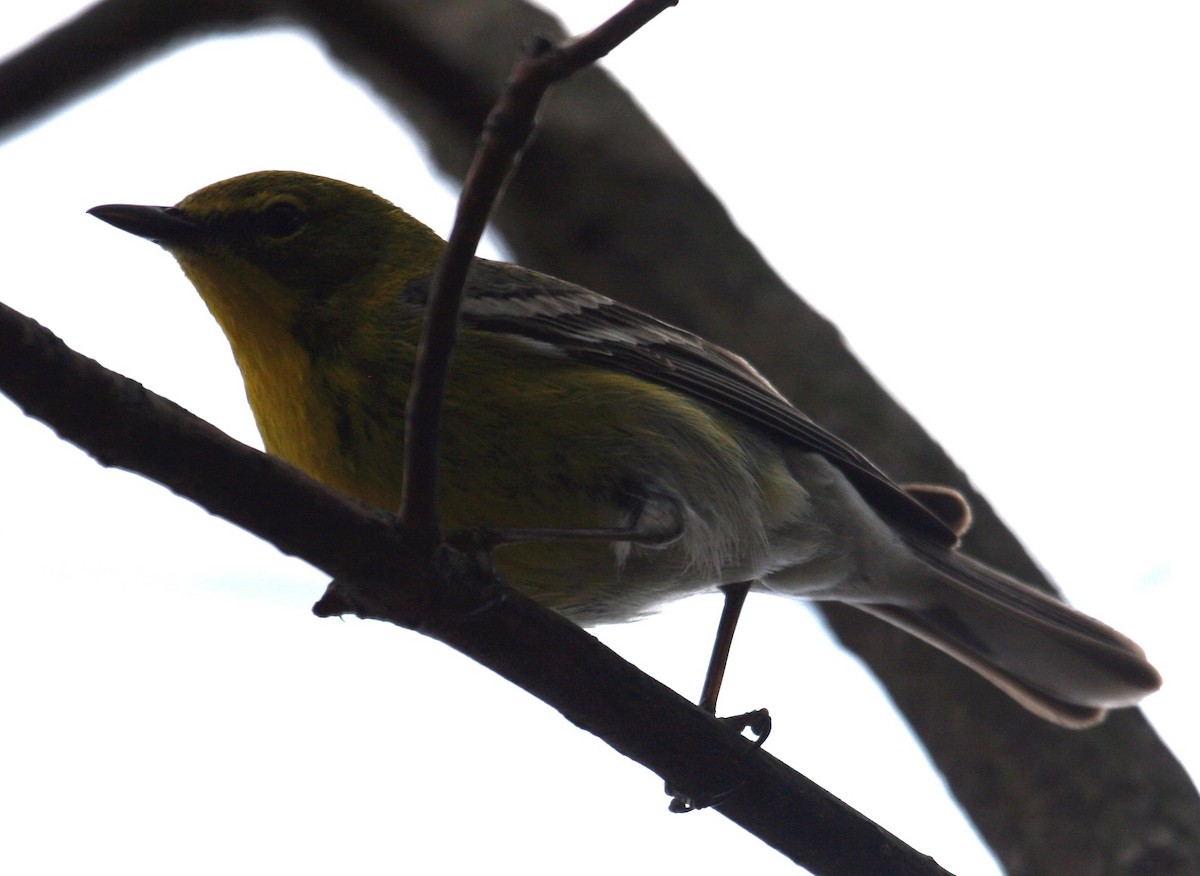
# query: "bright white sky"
997, 203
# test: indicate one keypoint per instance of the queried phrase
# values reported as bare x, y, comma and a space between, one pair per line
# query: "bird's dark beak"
166, 226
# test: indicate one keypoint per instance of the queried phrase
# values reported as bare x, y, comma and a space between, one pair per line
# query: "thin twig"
508, 129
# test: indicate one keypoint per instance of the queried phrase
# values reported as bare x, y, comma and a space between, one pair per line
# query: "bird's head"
282, 249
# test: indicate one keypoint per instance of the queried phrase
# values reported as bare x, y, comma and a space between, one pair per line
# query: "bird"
632, 462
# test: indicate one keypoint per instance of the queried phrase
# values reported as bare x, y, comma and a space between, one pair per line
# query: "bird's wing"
588, 327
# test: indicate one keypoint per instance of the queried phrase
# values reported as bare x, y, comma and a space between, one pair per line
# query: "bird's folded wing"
588, 327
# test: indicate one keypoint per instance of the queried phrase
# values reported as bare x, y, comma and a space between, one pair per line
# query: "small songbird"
678, 465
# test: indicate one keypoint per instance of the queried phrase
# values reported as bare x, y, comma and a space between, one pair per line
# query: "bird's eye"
281, 219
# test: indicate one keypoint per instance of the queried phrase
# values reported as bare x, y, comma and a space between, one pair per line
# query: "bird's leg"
735, 598
757, 722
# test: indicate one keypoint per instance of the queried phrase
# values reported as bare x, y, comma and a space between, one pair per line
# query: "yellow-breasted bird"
567, 410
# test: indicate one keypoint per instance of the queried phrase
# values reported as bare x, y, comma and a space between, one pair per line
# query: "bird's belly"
560, 448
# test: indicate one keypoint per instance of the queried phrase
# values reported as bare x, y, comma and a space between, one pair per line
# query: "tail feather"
1054, 660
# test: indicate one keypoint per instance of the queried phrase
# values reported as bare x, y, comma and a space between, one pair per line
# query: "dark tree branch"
385, 573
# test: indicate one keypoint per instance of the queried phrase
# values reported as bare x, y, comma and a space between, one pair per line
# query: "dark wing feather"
589, 327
